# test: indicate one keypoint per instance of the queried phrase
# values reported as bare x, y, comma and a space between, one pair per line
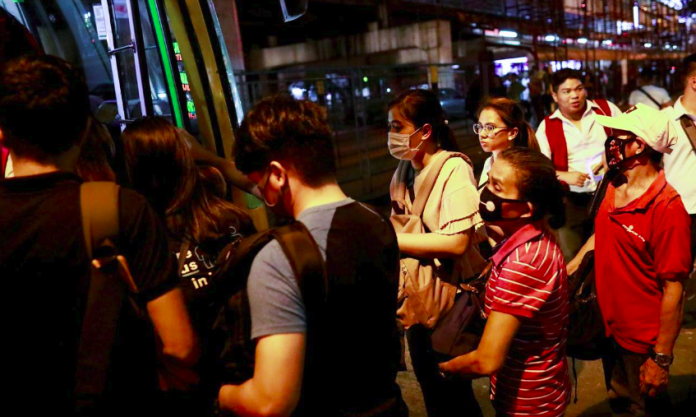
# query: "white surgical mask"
400, 145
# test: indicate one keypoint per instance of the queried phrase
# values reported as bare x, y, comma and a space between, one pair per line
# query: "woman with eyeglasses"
501, 125
420, 137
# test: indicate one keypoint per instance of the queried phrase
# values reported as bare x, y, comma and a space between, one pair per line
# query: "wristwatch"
661, 359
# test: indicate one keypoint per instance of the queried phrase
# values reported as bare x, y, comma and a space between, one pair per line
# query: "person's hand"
573, 178
653, 378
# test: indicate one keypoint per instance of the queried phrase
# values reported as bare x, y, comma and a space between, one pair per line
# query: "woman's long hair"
421, 107
511, 113
160, 166
537, 183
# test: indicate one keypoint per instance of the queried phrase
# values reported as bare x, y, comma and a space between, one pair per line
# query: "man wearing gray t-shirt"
344, 362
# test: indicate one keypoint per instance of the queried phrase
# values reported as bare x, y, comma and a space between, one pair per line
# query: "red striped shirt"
529, 281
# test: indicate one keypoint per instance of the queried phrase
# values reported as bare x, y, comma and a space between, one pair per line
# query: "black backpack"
233, 351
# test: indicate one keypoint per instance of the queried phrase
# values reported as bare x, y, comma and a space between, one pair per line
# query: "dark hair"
421, 107
688, 66
280, 128
647, 74
160, 166
43, 105
537, 183
560, 76
97, 152
511, 113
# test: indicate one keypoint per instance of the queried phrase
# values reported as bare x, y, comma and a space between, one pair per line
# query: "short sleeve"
459, 211
543, 141
524, 286
671, 244
665, 96
274, 296
632, 99
146, 246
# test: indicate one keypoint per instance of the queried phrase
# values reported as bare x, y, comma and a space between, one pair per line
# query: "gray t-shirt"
274, 296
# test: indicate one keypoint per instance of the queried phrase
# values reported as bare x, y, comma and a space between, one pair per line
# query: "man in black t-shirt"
44, 263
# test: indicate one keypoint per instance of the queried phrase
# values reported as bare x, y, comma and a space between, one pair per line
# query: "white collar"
590, 106
678, 110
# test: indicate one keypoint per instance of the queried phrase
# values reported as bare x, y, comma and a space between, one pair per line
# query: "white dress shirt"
658, 93
680, 165
584, 145
484, 173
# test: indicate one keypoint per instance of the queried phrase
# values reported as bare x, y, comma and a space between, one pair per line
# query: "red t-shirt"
529, 281
636, 246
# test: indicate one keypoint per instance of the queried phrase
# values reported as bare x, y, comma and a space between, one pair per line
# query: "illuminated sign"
190, 106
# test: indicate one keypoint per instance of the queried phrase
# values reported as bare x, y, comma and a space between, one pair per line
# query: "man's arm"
274, 390
575, 263
490, 355
653, 378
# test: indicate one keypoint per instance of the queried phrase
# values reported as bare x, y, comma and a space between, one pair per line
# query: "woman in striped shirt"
523, 348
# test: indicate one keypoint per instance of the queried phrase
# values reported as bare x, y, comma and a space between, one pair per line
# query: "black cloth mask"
491, 206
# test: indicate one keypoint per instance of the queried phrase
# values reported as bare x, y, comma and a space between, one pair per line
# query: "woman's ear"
512, 133
529, 213
427, 131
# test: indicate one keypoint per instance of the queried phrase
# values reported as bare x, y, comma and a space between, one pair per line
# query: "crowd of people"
183, 307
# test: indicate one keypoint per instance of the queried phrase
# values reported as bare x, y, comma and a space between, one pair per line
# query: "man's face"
571, 96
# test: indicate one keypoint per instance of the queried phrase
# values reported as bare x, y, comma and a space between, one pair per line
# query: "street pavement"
591, 394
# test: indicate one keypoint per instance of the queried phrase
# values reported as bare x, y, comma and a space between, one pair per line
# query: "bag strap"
100, 222
307, 264
690, 129
659, 105
183, 251
429, 181
557, 143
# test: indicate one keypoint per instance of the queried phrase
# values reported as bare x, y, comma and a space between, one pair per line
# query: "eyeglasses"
488, 129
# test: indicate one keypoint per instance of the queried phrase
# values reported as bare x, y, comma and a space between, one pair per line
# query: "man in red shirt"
642, 257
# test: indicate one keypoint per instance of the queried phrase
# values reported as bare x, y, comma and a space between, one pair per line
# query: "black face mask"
615, 151
491, 206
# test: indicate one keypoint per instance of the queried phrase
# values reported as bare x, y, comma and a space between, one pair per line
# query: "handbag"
459, 331
426, 290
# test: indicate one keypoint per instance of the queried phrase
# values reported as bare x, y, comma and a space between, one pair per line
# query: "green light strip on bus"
166, 62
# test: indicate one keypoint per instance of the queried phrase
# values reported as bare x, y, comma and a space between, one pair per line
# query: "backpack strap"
4, 156
657, 103
689, 129
100, 222
557, 143
604, 110
429, 182
307, 263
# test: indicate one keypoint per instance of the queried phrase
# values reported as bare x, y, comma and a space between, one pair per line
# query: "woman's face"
500, 136
400, 124
502, 180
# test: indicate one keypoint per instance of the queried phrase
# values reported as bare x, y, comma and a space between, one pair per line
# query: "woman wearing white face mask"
420, 138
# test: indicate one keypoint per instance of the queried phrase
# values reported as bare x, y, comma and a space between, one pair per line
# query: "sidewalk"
592, 400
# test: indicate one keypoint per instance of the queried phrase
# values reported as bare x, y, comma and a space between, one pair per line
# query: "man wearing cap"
642, 258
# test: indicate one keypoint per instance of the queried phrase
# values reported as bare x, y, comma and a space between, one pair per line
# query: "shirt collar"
519, 238
588, 111
39, 182
642, 202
